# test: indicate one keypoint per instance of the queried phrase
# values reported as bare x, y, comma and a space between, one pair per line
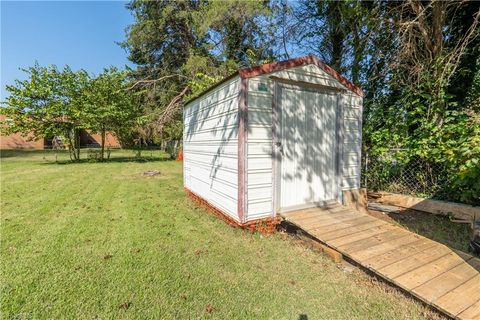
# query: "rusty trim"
264, 225
297, 62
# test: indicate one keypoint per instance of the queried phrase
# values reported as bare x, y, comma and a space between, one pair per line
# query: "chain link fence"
397, 172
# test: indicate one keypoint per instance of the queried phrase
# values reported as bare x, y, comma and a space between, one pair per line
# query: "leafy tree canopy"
57, 103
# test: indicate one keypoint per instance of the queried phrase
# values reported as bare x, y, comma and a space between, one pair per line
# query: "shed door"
307, 147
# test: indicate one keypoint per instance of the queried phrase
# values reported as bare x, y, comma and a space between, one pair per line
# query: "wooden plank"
410, 263
309, 212
402, 252
333, 206
385, 247
461, 298
332, 253
356, 236
339, 208
422, 274
461, 211
472, 312
349, 230
306, 217
356, 198
384, 208
342, 219
447, 281
339, 226
370, 242
301, 213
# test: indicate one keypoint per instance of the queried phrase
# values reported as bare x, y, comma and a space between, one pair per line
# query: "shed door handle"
278, 144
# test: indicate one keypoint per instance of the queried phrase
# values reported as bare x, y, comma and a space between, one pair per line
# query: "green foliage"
47, 104
179, 44
52, 102
421, 105
108, 105
200, 83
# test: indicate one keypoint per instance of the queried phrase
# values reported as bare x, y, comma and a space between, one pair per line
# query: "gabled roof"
282, 65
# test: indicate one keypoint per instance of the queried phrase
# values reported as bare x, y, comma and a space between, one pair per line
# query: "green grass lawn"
100, 240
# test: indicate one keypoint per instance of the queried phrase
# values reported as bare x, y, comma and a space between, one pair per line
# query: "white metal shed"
272, 138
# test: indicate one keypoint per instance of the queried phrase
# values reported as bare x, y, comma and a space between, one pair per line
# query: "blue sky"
80, 34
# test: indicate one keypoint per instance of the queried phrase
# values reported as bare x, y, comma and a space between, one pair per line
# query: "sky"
81, 34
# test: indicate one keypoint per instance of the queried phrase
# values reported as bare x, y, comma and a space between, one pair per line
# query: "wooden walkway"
434, 273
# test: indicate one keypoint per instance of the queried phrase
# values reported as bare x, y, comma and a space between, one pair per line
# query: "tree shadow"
11, 153
111, 160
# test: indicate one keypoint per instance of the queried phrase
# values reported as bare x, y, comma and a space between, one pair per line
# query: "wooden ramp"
434, 273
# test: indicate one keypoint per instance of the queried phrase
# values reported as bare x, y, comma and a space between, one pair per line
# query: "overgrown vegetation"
137, 248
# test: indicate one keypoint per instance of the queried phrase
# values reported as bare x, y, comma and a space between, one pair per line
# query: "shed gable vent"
262, 86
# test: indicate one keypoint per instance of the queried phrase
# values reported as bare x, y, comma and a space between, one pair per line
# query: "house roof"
282, 65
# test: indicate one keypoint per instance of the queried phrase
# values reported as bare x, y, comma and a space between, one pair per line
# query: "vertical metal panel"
276, 156
360, 126
352, 141
339, 145
308, 141
183, 138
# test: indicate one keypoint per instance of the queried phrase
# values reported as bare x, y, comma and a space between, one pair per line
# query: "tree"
108, 105
47, 104
181, 47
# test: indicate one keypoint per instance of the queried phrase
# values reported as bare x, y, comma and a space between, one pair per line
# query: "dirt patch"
151, 173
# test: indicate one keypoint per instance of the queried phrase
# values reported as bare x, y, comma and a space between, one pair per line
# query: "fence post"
366, 171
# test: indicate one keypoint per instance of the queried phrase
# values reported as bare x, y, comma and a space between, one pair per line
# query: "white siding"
259, 148
210, 147
259, 136
352, 134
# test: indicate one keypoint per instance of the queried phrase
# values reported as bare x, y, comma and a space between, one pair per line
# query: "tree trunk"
77, 143
337, 34
103, 144
72, 145
357, 56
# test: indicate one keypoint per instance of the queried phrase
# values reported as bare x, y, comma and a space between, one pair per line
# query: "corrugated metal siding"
307, 172
259, 131
259, 148
210, 147
352, 117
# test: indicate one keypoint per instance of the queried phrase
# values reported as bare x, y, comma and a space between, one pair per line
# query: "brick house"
87, 139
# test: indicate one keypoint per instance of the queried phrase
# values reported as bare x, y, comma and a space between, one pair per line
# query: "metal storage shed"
272, 138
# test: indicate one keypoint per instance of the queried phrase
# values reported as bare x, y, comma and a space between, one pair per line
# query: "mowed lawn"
101, 240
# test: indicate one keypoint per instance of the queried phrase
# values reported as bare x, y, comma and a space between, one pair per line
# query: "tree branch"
154, 81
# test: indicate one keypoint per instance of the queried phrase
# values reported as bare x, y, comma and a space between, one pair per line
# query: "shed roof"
286, 64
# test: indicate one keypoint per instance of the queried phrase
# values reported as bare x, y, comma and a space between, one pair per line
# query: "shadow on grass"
61, 157
107, 161
22, 153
